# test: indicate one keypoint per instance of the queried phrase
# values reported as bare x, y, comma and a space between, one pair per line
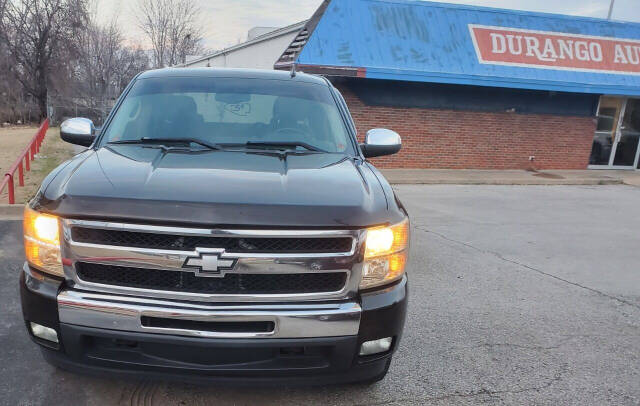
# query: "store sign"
555, 50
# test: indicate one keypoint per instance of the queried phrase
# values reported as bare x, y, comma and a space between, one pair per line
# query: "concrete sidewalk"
511, 177
11, 211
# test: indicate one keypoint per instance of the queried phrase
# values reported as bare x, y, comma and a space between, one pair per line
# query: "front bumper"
307, 345
167, 317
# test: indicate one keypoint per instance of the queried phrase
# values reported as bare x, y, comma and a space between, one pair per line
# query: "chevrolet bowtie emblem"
210, 264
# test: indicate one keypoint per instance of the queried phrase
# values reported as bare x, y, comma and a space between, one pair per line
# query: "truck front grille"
230, 244
173, 262
179, 281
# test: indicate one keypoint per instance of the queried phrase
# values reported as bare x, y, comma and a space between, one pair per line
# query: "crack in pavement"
555, 346
520, 264
482, 391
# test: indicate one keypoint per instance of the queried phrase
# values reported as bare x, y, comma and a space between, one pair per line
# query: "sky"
226, 22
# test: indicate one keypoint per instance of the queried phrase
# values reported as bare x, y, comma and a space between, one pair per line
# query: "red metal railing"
27, 156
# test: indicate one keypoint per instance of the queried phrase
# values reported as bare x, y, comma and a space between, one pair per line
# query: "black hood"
213, 188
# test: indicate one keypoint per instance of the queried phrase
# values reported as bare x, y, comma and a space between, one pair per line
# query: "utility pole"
610, 9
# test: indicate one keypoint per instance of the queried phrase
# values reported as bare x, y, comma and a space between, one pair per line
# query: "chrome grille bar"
245, 262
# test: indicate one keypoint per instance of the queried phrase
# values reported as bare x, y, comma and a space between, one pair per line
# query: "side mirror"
380, 141
79, 131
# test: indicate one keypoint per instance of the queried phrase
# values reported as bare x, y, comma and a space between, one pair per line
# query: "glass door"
626, 148
617, 136
609, 113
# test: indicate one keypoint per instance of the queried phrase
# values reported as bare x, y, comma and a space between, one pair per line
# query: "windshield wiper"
293, 144
147, 140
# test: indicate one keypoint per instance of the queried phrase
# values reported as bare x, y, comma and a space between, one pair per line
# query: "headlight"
42, 241
385, 254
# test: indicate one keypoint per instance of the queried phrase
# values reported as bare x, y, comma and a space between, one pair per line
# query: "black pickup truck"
222, 225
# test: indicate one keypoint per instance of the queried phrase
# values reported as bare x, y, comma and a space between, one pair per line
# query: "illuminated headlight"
385, 255
42, 241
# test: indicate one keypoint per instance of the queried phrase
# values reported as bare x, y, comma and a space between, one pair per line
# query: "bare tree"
56, 51
131, 61
33, 31
104, 64
173, 29
99, 67
98, 51
15, 106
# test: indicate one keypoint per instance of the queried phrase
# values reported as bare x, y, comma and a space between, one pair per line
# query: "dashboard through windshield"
231, 111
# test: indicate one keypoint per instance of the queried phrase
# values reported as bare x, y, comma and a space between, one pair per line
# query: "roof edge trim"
269, 35
290, 54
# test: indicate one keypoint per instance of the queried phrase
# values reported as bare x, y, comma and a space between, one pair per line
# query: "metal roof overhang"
493, 81
436, 42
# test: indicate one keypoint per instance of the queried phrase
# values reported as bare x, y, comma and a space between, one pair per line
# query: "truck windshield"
231, 111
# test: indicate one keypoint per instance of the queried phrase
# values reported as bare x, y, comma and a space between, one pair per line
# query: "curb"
11, 211
513, 182
15, 211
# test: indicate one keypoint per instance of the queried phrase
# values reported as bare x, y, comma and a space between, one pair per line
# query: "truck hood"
143, 184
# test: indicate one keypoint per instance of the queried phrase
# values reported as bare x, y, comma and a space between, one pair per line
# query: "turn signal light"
42, 241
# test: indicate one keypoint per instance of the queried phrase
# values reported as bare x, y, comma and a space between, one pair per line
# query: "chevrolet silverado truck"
221, 225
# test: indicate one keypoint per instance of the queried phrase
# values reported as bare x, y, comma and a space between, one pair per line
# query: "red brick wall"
476, 140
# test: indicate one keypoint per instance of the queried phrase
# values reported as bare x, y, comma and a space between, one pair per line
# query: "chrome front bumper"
103, 334
125, 313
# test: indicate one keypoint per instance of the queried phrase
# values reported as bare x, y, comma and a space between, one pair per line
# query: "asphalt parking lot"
519, 295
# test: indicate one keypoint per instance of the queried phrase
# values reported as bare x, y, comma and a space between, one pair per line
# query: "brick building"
472, 87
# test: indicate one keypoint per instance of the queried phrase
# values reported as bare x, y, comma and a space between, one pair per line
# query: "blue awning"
444, 43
